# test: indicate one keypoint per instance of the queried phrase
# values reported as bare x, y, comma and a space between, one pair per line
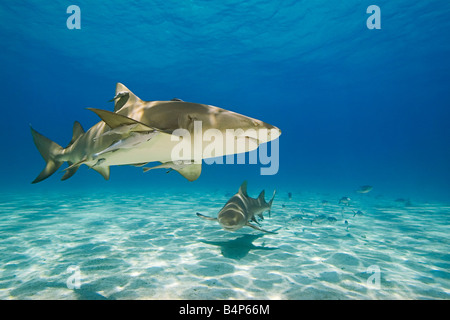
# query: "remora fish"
241, 209
112, 140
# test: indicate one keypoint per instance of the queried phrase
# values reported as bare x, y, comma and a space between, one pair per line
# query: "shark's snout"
231, 220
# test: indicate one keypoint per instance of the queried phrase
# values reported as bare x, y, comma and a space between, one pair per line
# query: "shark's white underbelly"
164, 148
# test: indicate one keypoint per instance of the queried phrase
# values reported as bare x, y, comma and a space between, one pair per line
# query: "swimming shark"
241, 209
138, 132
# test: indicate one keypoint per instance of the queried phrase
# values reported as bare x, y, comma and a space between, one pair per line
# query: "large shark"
139, 132
241, 209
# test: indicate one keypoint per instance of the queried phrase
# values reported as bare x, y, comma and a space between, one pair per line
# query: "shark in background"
241, 209
139, 132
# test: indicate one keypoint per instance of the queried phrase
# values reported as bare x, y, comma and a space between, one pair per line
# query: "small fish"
364, 189
357, 213
319, 219
332, 219
325, 203
345, 200
133, 140
290, 195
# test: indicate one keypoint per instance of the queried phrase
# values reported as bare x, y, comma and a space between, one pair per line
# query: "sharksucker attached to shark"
139, 132
240, 210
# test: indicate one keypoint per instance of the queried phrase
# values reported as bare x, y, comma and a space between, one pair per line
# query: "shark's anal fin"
259, 229
70, 171
206, 217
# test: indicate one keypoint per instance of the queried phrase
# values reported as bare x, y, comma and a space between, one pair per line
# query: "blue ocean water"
356, 106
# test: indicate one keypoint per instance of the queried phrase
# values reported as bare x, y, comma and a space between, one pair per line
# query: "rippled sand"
154, 247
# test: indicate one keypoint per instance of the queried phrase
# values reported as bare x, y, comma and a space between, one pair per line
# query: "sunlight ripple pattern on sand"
138, 246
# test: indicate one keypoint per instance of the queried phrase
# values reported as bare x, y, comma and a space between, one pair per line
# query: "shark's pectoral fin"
206, 217
258, 228
104, 171
189, 171
115, 120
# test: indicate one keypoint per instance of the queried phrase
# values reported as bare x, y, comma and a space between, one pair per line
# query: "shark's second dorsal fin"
124, 97
114, 120
243, 188
77, 132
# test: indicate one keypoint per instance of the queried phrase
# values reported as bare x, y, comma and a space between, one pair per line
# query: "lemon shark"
138, 132
241, 209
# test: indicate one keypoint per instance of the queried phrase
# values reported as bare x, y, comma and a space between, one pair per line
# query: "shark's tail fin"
49, 151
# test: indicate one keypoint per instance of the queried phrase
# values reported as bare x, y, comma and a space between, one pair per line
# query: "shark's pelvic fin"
123, 97
49, 150
191, 172
104, 171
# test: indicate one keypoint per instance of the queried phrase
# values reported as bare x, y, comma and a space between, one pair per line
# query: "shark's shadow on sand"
240, 247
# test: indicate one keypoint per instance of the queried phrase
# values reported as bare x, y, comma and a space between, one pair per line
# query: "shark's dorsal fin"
77, 132
104, 171
261, 197
243, 188
123, 97
115, 120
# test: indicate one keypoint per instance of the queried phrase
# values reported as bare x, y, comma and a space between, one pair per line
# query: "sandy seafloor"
153, 246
